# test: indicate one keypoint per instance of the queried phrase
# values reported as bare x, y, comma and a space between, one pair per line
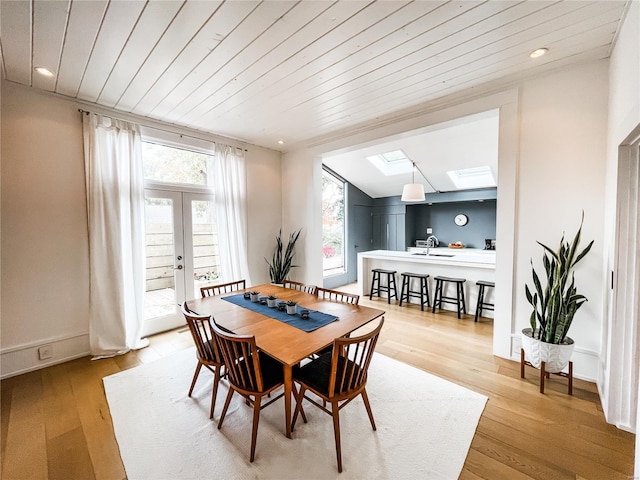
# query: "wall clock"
461, 219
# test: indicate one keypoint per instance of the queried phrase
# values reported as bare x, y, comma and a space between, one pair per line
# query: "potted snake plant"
554, 305
282, 259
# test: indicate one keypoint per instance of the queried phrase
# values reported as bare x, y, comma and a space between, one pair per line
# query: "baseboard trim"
24, 358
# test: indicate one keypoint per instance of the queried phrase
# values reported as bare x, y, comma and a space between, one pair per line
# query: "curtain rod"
163, 130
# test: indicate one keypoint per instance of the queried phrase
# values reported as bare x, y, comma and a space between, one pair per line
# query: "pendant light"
413, 192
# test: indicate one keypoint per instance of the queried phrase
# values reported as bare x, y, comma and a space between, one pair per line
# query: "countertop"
473, 257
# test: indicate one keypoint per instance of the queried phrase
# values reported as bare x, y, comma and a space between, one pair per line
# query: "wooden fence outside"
160, 254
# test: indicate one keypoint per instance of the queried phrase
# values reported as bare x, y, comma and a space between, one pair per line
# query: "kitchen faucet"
432, 242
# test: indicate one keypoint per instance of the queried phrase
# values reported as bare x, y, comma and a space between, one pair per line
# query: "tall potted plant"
554, 305
282, 259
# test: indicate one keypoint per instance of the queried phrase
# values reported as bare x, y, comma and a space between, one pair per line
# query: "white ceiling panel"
154, 21
15, 36
223, 22
298, 71
115, 29
83, 26
49, 30
191, 18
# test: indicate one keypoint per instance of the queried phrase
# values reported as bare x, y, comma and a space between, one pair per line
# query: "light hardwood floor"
56, 422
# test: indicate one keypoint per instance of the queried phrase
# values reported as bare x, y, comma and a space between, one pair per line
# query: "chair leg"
464, 303
403, 288
373, 282
214, 394
365, 398
336, 431
254, 431
480, 302
195, 377
435, 295
299, 396
226, 405
395, 288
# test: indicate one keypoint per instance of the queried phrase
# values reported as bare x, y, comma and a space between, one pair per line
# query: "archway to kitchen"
506, 107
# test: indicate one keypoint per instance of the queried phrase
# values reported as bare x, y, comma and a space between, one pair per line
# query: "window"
475, 177
333, 224
392, 163
174, 165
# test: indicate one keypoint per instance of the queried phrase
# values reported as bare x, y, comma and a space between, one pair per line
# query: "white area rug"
425, 426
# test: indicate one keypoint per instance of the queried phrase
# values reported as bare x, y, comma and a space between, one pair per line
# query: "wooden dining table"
287, 344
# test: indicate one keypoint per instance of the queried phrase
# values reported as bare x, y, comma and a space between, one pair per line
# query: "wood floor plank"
6, 392
25, 456
69, 457
86, 379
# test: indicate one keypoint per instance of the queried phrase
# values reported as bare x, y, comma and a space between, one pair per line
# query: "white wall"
555, 157
562, 169
44, 229
44, 245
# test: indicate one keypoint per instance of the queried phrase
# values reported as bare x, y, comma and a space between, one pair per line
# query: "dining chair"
207, 350
299, 286
337, 296
337, 377
253, 374
213, 290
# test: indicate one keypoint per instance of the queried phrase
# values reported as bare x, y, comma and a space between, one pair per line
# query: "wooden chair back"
201, 328
337, 296
240, 354
350, 363
213, 290
299, 286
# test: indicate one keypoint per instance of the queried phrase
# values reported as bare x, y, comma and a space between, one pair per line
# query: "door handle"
179, 267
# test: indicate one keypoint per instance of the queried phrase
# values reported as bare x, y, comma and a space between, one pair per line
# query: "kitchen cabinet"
389, 231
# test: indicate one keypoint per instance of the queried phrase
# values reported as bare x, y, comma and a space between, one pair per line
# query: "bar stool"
406, 293
458, 300
482, 305
377, 288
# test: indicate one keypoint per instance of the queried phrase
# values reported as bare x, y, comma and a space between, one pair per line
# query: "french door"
181, 254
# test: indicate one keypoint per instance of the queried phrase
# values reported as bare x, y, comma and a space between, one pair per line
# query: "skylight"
476, 177
391, 163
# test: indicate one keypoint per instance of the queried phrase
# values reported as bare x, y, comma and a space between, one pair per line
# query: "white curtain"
231, 212
115, 209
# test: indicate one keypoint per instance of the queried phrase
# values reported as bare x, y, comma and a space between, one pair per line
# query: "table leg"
288, 382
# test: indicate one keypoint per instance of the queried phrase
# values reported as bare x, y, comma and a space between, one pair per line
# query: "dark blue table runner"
316, 319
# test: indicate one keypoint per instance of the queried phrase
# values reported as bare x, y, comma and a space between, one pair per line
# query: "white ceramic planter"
291, 309
555, 357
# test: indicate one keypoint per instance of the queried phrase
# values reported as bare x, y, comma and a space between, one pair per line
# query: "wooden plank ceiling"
298, 71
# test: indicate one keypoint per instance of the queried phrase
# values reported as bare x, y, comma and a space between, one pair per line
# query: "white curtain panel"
230, 183
115, 209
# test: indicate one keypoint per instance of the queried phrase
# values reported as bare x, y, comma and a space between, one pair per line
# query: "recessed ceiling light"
538, 52
44, 71
280, 142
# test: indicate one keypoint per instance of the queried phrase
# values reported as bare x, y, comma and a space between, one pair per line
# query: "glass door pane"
201, 243
164, 270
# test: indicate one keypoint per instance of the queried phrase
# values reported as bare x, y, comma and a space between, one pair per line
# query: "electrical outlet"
45, 351
429, 230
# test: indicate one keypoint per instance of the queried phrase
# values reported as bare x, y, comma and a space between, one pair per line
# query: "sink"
418, 253
440, 255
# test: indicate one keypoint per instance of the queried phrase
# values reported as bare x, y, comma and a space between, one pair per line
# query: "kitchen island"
468, 263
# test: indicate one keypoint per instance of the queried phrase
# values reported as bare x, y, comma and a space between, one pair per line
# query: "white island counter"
470, 264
